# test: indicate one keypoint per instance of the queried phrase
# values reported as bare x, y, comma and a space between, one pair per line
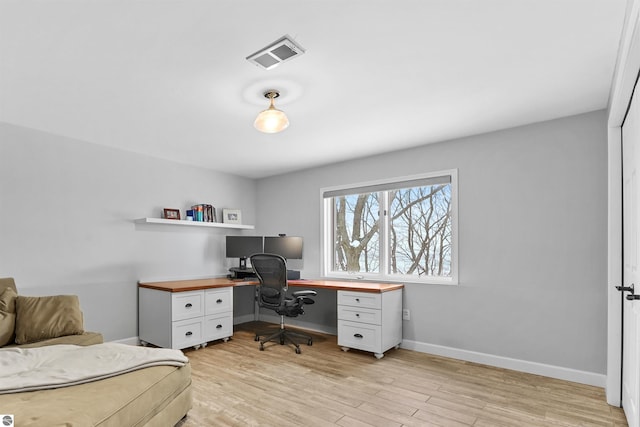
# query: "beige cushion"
7, 316
40, 318
7, 282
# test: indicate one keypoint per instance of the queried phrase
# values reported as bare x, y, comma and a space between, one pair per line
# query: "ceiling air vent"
276, 53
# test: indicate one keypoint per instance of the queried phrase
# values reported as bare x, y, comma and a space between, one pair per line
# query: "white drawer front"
187, 333
218, 326
360, 299
360, 336
218, 300
358, 314
187, 305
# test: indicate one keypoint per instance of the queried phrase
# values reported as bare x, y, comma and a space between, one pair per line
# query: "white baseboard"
129, 341
583, 377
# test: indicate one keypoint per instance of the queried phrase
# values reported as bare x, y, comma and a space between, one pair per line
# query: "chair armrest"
308, 293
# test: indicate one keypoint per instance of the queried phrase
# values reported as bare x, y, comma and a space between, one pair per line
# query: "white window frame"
328, 223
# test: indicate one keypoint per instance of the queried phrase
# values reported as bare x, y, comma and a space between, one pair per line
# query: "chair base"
283, 336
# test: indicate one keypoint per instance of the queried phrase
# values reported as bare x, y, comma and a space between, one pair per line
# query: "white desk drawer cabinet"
357, 314
362, 336
218, 300
370, 321
218, 326
186, 333
360, 299
184, 319
186, 305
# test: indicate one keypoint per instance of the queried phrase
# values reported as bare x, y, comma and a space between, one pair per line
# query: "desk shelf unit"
370, 321
184, 223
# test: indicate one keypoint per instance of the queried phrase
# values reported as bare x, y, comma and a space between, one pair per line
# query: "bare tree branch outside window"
421, 231
419, 226
356, 233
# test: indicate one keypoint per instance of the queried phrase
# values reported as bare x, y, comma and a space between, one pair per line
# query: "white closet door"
631, 275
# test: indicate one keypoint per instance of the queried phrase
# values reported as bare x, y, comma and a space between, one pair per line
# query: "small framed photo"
171, 213
231, 216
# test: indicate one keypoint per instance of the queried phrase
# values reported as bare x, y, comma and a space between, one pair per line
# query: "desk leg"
256, 307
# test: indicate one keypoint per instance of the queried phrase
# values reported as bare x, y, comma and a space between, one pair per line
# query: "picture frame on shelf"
231, 216
171, 213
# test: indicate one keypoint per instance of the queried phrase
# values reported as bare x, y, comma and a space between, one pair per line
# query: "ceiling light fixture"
271, 120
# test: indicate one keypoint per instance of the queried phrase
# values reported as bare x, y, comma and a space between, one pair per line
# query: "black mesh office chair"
271, 270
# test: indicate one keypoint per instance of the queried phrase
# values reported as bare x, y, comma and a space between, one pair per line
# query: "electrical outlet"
406, 314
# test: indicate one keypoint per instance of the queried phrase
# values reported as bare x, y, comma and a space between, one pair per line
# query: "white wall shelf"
178, 222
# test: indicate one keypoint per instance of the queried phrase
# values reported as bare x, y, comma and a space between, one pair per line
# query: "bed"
157, 395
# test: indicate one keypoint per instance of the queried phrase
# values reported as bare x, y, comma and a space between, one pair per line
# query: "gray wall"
532, 240
66, 223
532, 233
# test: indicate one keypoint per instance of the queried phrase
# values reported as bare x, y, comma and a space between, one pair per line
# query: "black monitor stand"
242, 272
293, 275
237, 273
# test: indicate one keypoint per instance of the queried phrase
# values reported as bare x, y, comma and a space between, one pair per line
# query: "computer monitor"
289, 247
243, 247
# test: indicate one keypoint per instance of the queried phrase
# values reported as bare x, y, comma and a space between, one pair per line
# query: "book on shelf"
204, 213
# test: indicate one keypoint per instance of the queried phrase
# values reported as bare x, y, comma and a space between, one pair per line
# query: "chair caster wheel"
298, 350
261, 347
257, 338
310, 342
281, 341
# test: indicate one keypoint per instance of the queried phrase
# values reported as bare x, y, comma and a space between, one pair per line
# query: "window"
402, 229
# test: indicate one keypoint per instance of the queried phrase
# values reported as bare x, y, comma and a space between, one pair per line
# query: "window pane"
356, 233
420, 231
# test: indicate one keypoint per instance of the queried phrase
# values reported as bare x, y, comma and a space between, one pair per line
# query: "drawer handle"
357, 299
188, 305
219, 301
357, 314
189, 333
219, 326
358, 335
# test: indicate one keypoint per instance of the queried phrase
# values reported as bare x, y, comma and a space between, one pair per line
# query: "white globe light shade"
271, 120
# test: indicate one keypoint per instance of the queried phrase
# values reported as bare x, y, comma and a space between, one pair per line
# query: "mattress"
159, 395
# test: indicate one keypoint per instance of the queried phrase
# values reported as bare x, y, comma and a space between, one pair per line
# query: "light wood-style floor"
235, 384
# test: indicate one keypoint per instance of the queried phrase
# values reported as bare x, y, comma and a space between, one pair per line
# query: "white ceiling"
169, 78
